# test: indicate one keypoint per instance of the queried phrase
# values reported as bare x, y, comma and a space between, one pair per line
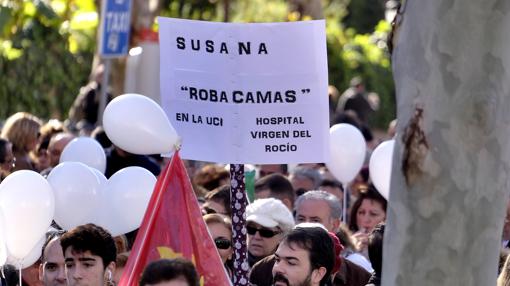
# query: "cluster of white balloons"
27, 206
76, 191
117, 204
348, 151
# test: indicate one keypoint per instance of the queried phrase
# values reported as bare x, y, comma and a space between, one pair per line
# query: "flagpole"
238, 202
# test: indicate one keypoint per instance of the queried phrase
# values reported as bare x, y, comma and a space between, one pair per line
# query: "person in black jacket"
375, 251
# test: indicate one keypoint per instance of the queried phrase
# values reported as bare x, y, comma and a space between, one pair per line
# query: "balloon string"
19, 266
344, 209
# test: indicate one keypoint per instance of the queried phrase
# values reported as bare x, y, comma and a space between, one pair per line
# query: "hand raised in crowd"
361, 239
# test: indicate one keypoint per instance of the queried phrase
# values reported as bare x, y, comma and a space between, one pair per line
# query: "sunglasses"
264, 232
209, 210
222, 243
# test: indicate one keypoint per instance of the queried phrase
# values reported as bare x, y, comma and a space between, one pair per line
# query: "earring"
109, 281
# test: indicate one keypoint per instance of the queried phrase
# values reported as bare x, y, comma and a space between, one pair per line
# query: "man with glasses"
57, 144
268, 220
51, 269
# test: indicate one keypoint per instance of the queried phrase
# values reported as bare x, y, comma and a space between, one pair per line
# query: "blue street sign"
115, 28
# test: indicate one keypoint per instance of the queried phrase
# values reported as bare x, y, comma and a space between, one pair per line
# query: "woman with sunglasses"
267, 222
220, 228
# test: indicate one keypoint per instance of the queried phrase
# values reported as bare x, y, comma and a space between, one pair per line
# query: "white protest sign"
246, 93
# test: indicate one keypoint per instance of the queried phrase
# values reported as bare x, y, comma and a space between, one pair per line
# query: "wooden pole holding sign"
238, 202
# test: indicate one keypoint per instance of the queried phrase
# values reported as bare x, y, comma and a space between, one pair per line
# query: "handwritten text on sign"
246, 93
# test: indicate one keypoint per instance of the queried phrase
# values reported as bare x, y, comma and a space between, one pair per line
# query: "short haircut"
169, 269
332, 201
220, 195
370, 193
375, 247
331, 183
278, 185
307, 173
319, 245
51, 235
93, 238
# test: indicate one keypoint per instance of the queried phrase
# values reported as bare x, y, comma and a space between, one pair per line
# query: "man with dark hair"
275, 186
305, 257
51, 269
325, 208
89, 253
355, 98
218, 201
170, 272
375, 251
333, 187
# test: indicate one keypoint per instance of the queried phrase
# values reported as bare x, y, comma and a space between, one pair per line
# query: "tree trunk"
450, 176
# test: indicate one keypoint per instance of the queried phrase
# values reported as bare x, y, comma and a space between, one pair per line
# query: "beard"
278, 277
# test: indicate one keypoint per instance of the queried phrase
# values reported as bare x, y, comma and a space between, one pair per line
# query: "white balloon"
28, 205
380, 167
130, 190
100, 176
87, 151
102, 215
139, 125
3, 247
76, 193
30, 258
348, 151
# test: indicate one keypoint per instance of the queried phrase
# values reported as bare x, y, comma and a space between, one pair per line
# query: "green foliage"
365, 55
363, 15
259, 11
192, 9
40, 74
46, 50
349, 53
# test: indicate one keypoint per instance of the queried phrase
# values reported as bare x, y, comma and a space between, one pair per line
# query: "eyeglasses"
222, 243
264, 232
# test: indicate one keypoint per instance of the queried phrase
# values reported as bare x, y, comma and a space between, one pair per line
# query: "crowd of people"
296, 234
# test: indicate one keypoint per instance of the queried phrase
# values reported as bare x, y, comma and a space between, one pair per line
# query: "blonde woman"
22, 129
220, 228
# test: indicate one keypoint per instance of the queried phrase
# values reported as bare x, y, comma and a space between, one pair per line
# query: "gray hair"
307, 173
333, 202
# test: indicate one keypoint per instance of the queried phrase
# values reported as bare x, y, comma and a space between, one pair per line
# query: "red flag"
173, 227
